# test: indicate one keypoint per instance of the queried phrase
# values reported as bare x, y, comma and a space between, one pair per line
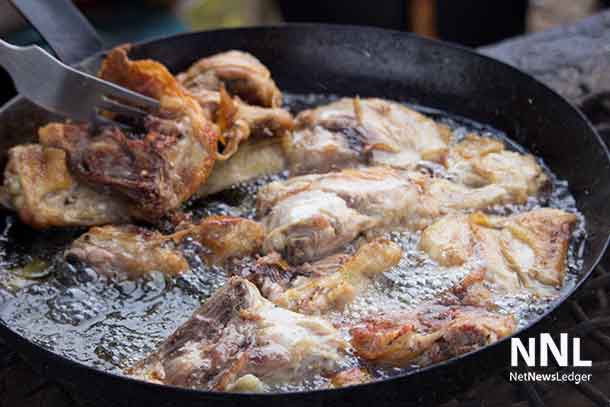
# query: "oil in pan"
75, 313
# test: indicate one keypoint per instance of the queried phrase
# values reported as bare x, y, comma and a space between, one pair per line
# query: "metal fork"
61, 89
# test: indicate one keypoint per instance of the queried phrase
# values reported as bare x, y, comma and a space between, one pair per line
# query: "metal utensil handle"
9, 59
61, 24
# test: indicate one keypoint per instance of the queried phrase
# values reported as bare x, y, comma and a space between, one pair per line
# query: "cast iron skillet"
350, 60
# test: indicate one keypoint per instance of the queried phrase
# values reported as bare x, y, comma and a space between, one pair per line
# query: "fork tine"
99, 121
110, 89
120, 108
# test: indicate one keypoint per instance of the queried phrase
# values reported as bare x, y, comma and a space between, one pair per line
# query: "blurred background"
467, 22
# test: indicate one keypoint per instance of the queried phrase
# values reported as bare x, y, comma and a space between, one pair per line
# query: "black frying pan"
369, 62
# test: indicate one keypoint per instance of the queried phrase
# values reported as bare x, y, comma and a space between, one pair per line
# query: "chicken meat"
311, 216
478, 161
239, 341
255, 158
129, 251
252, 109
353, 131
157, 170
428, 334
238, 121
239, 72
40, 188
522, 251
328, 284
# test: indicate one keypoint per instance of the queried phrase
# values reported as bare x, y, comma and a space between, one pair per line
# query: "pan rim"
10, 335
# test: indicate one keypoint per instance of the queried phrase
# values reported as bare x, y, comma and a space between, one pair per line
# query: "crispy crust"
156, 172
39, 186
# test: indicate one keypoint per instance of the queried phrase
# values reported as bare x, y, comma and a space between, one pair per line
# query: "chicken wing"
429, 334
39, 186
129, 251
328, 284
356, 131
155, 171
239, 341
523, 251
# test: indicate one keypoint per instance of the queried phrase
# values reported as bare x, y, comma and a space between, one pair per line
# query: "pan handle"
62, 25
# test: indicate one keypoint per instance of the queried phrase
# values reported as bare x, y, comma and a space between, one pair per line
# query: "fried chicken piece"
451, 197
239, 341
238, 121
39, 186
462, 154
523, 251
127, 251
535, 243
428, 334
520, 174
328, 284
130, 251
241, 73
334, 291
220, 107
479, 161
155, 171
448, 241
354, 131
225, 237
311, 225
311, 216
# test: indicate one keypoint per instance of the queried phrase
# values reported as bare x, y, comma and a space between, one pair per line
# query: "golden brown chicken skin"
157, 169
311, 216
428, 334
40, 188
237, 121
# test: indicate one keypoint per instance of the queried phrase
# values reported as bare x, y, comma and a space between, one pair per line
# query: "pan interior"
71, 311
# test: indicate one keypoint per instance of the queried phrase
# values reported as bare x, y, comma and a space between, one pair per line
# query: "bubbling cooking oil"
109, 325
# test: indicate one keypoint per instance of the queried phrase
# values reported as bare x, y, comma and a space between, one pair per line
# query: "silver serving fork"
61, 89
